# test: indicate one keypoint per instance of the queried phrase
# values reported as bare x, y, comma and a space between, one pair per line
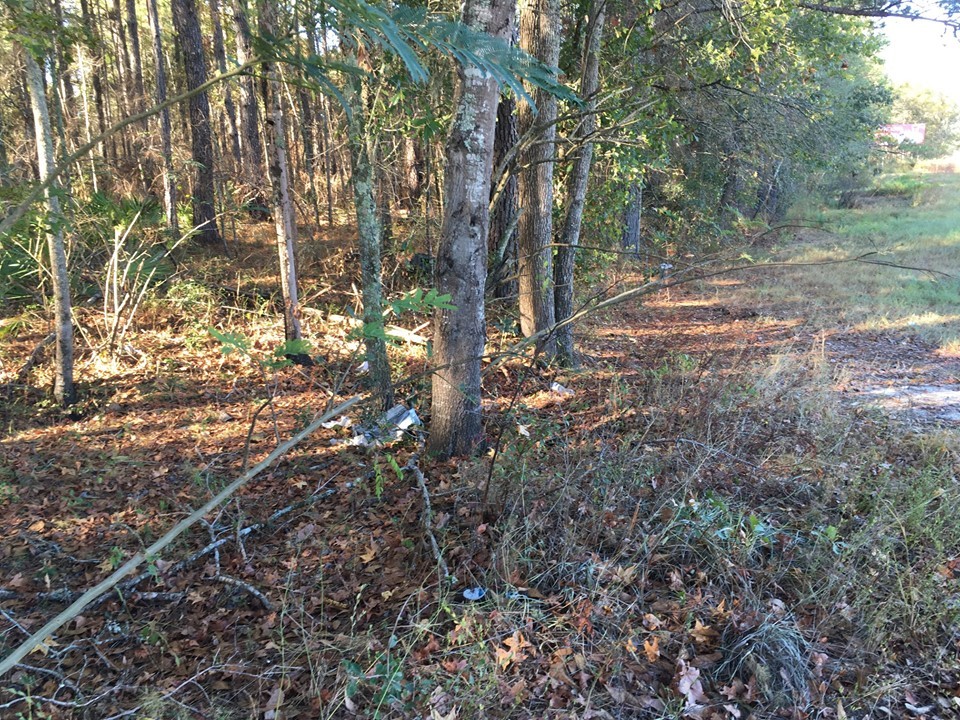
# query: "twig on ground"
10, 619
228, 580
34, 357
94, 593
415, 470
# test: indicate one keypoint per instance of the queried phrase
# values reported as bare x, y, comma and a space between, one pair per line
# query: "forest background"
282, 207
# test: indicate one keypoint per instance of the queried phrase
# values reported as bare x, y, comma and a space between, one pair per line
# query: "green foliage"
940, 115
410, 32
420, 301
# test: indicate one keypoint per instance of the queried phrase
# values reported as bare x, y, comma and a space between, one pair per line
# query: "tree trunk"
279, 173
63, 387
539, 36
577, 184
370, 240
134, 33
251, 149
220, 57
96, 61
630, 237
460, 334
412, 177
6, 176
195, 69
169, 180
503, 220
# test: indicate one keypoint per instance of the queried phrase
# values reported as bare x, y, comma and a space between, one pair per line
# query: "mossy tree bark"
577, 182
460, 333
63, 387
539, 36
370, 235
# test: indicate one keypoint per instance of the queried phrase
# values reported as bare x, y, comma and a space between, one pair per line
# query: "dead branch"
413, 468
34, 357
151, 552
246, 587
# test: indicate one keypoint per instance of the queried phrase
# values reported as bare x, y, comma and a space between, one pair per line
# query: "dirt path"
908, 378
904, 376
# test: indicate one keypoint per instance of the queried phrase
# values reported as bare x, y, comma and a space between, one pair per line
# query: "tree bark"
503, 220
134, 33
166, 150
220, 57
279, 173
251, 149
577, 184
370, 240
630, 237
63, 388
96, 62
460, 334
195, 69
539, 36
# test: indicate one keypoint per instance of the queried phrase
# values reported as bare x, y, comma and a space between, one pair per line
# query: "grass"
924, 234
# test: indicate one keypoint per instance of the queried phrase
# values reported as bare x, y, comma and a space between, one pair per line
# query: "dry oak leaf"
703, 634
514, 650
368, 556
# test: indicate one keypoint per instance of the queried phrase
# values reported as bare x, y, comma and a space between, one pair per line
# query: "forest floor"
741, 505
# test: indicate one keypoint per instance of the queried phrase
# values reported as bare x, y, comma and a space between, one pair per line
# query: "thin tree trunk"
412, 172
96, 61
577, 184
169, 180
134, 33
5, 174
85, 98
191, 44
220, 57
63, 387
328, 157
370, 240
630, 237
503, 222
279, 172
539, 36
460, 334
251, 149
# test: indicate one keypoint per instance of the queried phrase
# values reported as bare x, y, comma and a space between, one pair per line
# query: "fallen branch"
151, 552
413, 468
34, 357
246, 587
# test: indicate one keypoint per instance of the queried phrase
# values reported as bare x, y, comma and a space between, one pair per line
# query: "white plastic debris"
560, 389
523, 430
363, 367
342, 421
475, 593
391, 426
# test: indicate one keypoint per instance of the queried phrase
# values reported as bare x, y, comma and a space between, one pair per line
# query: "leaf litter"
333, 606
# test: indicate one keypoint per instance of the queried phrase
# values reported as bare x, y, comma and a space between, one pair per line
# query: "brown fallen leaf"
703, 634
651, 647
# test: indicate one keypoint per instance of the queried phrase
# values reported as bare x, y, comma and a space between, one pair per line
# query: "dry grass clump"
775, 654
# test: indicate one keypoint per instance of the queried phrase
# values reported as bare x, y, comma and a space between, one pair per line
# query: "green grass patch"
918, 244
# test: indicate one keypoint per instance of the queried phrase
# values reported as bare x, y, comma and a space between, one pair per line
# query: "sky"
921, 54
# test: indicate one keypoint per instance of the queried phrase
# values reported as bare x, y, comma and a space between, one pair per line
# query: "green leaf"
232, 342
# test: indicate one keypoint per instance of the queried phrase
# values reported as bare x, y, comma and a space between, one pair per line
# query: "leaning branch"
151, 552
